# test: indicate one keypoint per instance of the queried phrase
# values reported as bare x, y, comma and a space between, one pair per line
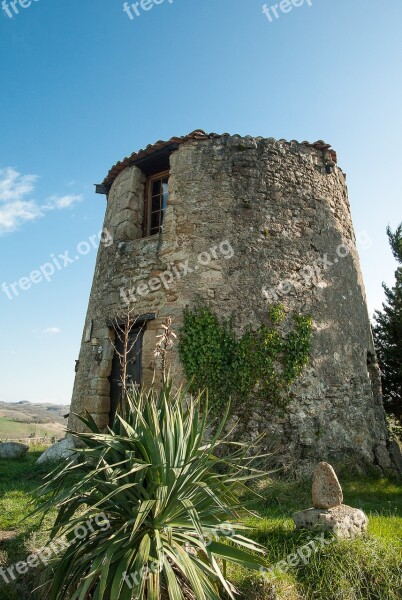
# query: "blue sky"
82, 86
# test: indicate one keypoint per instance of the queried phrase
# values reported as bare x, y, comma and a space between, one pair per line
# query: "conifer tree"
388, 333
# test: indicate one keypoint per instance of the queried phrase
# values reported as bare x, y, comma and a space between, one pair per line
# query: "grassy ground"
365, 569
10, 429
19, 537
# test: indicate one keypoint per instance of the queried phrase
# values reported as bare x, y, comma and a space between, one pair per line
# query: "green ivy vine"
260, 363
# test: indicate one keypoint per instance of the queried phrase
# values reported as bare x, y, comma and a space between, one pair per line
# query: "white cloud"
60, 202
16, 206
51, 330
14, 186
13, 214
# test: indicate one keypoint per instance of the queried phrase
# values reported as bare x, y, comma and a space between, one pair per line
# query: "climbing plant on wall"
259, 363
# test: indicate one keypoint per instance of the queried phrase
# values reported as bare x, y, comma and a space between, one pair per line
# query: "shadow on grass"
375, 495
18, 481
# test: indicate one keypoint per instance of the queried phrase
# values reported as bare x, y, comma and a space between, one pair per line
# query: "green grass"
18, 481
12, 429
364, 569
369, 568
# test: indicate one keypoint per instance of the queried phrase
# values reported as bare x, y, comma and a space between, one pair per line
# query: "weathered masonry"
273, 217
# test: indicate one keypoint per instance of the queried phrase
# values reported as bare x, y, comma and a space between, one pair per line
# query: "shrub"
171, 503
258, 364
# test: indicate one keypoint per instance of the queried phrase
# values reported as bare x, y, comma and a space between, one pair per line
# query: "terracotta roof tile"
198, 134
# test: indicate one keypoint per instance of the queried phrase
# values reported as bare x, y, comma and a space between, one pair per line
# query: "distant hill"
26, 419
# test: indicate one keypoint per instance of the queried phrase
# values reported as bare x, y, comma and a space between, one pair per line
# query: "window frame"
148, 200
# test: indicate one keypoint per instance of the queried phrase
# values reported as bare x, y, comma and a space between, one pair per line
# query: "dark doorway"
133, 367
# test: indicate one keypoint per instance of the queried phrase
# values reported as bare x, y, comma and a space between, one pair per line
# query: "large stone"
343, 521
326, 490
13, 450
62, 450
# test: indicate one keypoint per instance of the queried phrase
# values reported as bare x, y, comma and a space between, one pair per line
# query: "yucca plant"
171, 499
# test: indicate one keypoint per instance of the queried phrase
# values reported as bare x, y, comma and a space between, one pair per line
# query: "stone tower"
240, 222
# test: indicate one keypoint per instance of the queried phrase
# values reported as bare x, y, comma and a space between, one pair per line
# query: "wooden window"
157, 194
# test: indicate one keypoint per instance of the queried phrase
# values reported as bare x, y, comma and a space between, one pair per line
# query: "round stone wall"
250, 222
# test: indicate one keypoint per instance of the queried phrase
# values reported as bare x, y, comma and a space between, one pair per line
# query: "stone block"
343, 521
326, 490
102, 420
99, 386
153, 325
96, 404
104, 369
127, 230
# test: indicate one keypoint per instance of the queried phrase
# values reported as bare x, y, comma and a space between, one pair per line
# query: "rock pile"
328, 512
